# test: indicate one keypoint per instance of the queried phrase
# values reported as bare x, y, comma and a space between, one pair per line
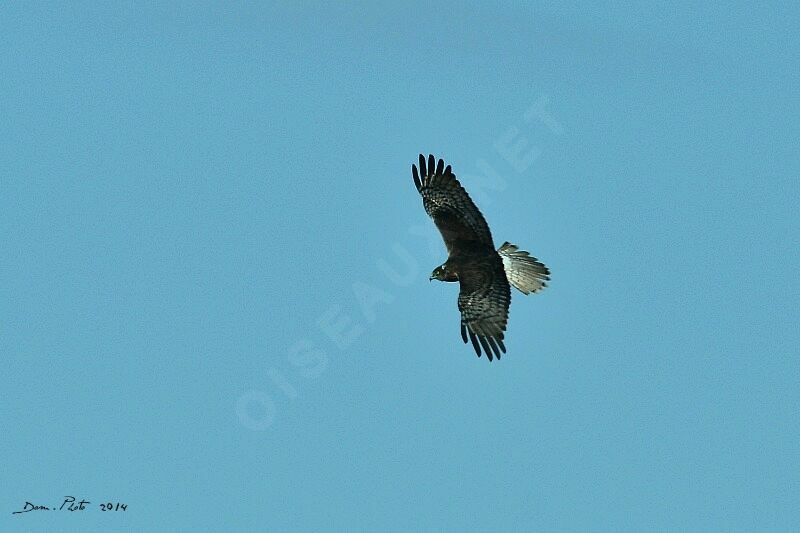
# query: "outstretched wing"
484, 300
448, 204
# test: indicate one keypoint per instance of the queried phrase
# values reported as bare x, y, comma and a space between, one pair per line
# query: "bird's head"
441, 274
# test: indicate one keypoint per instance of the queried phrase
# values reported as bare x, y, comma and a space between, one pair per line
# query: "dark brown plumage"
483, 272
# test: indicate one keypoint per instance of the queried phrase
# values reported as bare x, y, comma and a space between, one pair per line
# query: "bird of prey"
483, 273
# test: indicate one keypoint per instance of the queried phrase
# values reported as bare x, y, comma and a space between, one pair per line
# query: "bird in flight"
483, 273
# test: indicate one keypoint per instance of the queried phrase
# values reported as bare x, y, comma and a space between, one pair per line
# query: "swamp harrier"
484, 274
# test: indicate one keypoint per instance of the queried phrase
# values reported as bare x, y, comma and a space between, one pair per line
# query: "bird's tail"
523, 271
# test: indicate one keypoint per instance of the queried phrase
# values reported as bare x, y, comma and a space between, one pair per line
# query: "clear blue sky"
214, 268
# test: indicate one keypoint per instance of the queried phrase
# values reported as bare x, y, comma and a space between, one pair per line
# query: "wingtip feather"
474, 343
485, 346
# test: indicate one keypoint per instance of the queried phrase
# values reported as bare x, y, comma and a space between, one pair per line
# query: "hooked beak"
430, 278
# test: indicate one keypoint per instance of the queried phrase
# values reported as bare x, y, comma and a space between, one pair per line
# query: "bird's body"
485, 275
